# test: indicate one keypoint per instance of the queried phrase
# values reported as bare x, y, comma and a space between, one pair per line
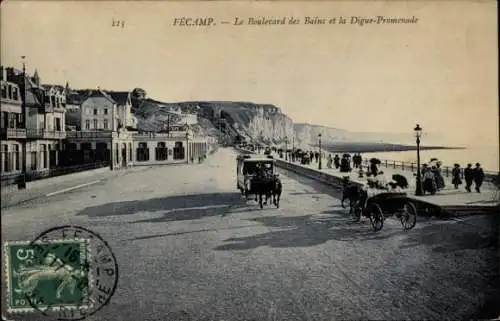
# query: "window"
43, 155
17, 157
87, 124
105, 124
87, 110
95, 111
33, 161
20, 121
130, 151
4, 91
161, 152
178, 151
5, 158
142, 152
95, 123
15, 94
105, 111
57, 124
12, 120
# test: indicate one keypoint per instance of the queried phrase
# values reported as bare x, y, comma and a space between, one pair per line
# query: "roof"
49, 86
120, 97
98, 93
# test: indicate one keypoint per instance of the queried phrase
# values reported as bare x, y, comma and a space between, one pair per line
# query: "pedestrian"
329, 161
468, 176
478, 174
439, 176
336, 161
455, 174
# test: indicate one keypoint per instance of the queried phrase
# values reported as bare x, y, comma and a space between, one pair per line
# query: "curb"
64, 190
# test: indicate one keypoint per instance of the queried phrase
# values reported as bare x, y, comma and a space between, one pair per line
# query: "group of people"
433, 179
470, 175
344, 163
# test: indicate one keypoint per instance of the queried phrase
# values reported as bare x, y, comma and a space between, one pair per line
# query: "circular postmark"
76, 273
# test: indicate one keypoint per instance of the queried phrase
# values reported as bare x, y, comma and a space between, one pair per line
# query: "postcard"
249, 160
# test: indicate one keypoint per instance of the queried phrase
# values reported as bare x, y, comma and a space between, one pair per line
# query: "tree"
139, 93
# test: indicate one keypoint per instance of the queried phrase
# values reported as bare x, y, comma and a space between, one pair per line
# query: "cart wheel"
376, 217
408, 216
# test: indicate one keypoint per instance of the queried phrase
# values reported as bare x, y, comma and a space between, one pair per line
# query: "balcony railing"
91, 134
45, 134
13, 133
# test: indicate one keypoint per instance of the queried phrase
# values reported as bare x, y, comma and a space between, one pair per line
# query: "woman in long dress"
455, 174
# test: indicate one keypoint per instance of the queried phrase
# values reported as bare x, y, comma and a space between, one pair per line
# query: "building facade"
34, 124
12, 131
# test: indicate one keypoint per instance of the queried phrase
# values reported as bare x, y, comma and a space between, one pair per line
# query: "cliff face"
253, 122
308, 135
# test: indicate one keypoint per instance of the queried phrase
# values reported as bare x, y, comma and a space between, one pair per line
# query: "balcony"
45, 134
91, 134
12, 133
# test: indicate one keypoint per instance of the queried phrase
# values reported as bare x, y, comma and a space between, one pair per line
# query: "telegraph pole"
22, 183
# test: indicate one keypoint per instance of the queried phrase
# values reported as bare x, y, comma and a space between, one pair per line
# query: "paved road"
190, 248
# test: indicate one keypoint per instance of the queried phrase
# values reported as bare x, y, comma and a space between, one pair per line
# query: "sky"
441, 72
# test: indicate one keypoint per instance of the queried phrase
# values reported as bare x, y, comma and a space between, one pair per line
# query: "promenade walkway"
448, 197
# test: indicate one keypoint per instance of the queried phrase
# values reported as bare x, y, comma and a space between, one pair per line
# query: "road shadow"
457, 236
306, 231
180, 207
311, 230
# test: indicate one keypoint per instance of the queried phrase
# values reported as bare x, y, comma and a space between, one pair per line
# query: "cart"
386, 204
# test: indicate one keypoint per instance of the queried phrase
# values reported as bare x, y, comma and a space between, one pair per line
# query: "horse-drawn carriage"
379, 203
257, 176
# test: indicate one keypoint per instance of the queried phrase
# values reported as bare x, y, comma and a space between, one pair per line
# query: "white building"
123, 101
99, 112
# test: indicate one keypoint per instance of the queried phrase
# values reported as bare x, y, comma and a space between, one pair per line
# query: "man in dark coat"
468, 176
336, 161
455, 174
478, 174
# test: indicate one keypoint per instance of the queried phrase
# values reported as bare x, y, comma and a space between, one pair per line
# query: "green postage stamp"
50, 275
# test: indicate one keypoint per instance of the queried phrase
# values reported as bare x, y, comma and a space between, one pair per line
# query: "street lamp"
22, 183
286, 148
319, 139
187, 146
418, 134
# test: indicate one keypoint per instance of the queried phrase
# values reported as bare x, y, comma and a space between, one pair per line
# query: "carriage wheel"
376, 217
408, 216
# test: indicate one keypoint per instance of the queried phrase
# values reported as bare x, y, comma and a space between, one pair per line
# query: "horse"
352, 192
277, 189
269, 187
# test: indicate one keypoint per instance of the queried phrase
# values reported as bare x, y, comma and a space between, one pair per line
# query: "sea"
487, 156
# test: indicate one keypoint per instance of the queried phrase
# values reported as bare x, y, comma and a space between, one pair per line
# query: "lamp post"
286, 148
22, 183
319, 140
293, 148
418, 134
187, 146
